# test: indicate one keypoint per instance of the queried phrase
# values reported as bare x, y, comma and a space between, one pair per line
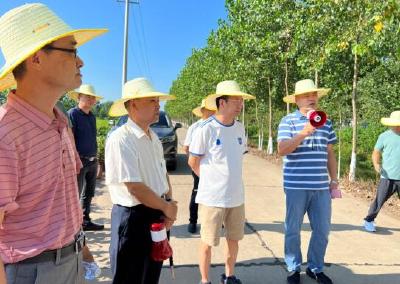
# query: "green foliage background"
268, 45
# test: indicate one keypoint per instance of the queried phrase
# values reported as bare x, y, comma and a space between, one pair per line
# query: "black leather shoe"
192, 228
294, 277
90, 226
319, 277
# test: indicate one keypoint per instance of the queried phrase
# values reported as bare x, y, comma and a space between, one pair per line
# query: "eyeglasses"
69, 50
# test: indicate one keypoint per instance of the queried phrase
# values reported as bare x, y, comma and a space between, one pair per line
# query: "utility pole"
126, 26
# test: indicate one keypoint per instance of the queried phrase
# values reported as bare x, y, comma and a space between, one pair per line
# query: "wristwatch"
334, 181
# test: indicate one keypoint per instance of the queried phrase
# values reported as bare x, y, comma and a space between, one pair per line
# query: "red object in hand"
160, 250
317, 118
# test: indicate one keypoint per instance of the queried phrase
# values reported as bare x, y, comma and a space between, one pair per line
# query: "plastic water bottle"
92, 270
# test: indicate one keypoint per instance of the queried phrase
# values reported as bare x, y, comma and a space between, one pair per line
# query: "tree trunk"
352, 172
340, 142
270, 148
286, 85
259, 128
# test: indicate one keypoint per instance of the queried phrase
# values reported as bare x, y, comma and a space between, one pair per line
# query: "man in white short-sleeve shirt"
216, 154
137, 180
203, 112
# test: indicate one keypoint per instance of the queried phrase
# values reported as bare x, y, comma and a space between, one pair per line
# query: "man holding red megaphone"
317, 118
306, 138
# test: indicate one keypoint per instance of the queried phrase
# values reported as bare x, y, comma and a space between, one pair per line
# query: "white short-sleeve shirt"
221, 149
191, 131
131, 156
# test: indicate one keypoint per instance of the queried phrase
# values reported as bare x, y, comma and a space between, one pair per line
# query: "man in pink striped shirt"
39, 234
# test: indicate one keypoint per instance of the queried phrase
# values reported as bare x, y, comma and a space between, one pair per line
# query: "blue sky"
162, 36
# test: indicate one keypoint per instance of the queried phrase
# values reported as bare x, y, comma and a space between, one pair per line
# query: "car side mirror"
177, 125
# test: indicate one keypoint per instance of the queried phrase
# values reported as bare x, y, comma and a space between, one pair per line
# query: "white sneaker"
369, 226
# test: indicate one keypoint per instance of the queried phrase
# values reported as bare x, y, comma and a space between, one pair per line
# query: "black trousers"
193, 206
386, 188
87, 184
130, 246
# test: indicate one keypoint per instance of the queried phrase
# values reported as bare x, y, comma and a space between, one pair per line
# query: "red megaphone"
317, 118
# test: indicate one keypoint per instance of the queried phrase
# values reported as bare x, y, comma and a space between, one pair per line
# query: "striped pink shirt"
38, 186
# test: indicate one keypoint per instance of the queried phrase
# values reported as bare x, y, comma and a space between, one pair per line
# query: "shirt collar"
298, 114
82, 112
33, 114
139, 132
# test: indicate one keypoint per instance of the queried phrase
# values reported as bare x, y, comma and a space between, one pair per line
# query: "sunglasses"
69, 50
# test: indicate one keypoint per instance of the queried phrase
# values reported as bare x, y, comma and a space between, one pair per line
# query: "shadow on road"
278, 226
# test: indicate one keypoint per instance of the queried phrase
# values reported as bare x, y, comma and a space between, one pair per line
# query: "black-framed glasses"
69, 50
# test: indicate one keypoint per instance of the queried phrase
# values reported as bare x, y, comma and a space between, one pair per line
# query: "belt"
90, 159
56, 254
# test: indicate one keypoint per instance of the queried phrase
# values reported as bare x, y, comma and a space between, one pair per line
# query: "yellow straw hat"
393, 120
303, 87
136, 89
227, 88
84, 89
197, 111
26, 29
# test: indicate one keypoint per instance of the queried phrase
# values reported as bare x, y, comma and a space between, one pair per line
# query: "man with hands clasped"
138, 182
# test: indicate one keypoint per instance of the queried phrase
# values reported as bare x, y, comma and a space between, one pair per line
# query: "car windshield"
163, 121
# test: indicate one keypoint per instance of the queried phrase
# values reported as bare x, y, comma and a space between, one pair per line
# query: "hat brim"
74, 95
81, 36
211, 99
118, 107
291, 99
390, 121
197, 111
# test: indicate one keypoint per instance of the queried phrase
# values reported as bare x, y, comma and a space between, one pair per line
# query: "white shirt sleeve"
121, 161
189, 134
245, 148
198, 145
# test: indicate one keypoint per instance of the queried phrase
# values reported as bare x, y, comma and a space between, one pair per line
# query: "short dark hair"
20, 70
126, 104
225, 98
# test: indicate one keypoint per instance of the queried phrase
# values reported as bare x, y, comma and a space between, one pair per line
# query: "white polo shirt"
191, 131
221, 148
131, 156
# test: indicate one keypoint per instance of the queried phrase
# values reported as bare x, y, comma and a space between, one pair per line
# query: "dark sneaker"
319, 277
230, 279
293, 277
204, 283
192, 228
223, 278
90, 226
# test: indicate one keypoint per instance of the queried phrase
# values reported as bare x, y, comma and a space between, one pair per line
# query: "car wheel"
171, 166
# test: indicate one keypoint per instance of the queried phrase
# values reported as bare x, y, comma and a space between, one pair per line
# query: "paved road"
353, 256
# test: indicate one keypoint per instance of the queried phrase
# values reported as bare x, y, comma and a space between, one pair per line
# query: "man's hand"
334, 185
171, 209
307, 130
378, 168
168, 223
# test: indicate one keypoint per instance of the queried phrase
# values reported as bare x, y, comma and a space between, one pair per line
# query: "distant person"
386, 160
139, 185
203, 113
40, 234
216, 156
309, 179
85, 134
